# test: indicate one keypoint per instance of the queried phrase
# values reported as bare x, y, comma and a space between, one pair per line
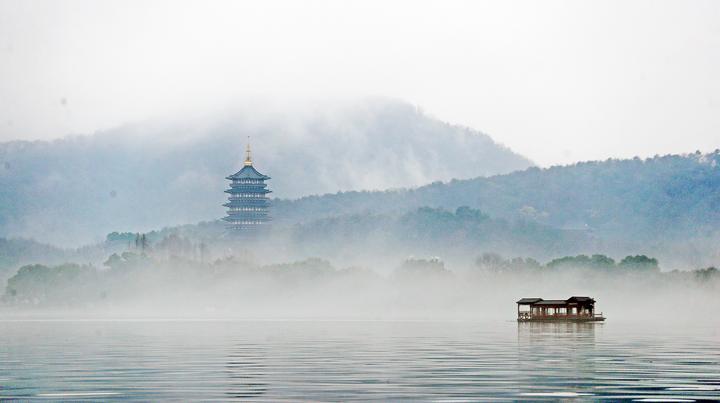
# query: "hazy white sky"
555, 81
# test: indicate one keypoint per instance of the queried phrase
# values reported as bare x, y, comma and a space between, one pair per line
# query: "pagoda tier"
248, 204
253, 192
235, 217
240, 189
234, 202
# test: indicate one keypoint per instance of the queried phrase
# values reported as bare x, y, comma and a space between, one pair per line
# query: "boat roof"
546, 302
528, 301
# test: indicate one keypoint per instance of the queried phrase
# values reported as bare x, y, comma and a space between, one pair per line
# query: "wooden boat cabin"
581, 309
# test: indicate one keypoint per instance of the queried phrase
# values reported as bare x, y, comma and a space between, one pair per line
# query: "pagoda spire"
248, 156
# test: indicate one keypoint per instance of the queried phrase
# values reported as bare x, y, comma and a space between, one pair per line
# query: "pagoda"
248, 203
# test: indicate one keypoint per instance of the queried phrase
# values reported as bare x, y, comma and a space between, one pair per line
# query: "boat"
573, 309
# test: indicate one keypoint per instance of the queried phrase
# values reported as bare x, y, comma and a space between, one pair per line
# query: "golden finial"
248, 158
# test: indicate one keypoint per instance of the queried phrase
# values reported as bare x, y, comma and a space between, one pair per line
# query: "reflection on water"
341, 361
553, 359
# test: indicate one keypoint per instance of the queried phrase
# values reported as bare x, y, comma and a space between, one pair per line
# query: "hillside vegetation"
665, 197
158, 173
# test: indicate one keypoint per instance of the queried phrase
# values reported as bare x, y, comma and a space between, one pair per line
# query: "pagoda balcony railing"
247, 192
246, 222
248, 182
244, 189
248, 197
249, 185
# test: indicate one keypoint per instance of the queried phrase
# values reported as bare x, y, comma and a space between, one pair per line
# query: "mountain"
168, 172
667, 206
16, 252
664, 196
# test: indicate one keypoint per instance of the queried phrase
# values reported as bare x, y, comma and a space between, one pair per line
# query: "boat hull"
593, 319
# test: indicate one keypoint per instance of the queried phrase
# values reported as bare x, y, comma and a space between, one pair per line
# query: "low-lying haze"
429, 164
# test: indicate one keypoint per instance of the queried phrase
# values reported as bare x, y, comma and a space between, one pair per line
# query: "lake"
357, 360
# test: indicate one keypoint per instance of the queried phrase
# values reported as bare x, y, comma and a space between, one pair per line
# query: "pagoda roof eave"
248, 172
241, 191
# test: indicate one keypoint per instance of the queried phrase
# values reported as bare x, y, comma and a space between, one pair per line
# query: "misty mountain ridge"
77, 190
666, 206
664, 197
168, 172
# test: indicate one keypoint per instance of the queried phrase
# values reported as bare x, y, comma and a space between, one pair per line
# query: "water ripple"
355, 361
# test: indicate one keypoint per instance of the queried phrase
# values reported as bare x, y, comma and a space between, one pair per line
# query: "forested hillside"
666, 206
15, 252
171, 172
663, 198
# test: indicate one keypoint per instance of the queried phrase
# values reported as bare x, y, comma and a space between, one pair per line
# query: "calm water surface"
342, 361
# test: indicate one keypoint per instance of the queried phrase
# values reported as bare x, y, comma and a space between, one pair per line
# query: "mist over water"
267, 282
410, 151
361, 305
351, 312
